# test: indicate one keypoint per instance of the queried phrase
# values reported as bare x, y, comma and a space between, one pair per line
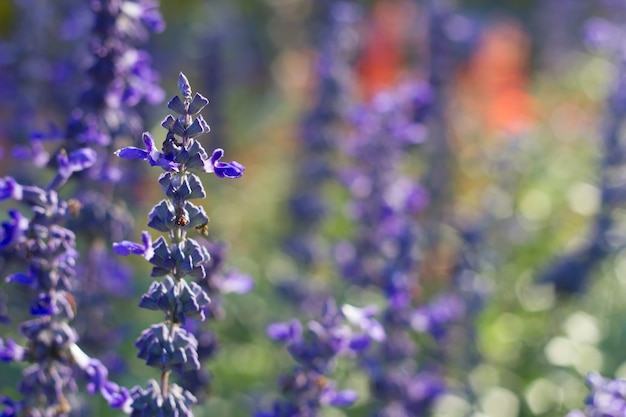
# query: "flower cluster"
384, 251
48, 253
307, 388
168, 346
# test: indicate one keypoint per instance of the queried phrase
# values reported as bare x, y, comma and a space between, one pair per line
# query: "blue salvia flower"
384, 252
307, 388
48, 252
168, 346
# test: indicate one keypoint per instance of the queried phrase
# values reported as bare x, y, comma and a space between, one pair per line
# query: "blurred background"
521, 159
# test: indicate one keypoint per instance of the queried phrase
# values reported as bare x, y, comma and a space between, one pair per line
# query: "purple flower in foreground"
169, 346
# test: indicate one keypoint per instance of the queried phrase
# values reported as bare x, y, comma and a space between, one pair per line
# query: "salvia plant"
47, 253
177, 257
383, 253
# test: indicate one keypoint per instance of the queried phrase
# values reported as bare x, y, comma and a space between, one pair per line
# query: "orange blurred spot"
493, 86
383, 59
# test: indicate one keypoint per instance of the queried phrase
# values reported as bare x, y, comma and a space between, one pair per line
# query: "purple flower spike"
126, 247
179, 258
224, 169
150, 154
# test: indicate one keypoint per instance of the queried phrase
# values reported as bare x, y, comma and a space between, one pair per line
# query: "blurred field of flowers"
489, 132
